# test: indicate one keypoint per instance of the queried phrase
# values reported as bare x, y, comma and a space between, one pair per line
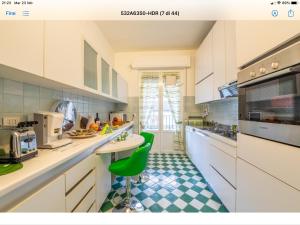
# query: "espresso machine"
49, 130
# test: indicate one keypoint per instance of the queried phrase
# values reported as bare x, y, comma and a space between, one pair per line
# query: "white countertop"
217, 136
132, 141
47, 160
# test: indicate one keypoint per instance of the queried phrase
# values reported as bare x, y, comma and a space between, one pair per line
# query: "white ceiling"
154, 35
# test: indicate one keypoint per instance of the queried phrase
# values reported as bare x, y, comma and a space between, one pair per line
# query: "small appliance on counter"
49, 130
18, 143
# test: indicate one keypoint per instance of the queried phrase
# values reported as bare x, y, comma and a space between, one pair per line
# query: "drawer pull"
221, 176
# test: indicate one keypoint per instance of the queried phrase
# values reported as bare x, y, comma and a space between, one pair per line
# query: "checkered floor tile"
175, 185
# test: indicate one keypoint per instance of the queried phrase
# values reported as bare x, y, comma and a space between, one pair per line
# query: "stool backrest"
149, 138
137, 162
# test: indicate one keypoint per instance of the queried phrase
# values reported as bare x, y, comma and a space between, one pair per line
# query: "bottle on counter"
97, 119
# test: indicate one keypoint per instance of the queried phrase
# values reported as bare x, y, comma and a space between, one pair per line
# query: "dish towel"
9, 168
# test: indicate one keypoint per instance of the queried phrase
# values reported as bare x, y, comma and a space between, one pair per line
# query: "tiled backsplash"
22, 99
221, 111
131, 109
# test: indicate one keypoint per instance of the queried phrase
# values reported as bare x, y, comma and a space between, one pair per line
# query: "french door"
161, 108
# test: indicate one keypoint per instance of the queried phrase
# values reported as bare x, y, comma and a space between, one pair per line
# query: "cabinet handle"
202, 134
222, 176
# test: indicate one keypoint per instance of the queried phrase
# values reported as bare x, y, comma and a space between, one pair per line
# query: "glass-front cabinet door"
114, 80
105, 77
90, 66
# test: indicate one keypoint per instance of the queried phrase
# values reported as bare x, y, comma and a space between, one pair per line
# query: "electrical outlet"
11, 121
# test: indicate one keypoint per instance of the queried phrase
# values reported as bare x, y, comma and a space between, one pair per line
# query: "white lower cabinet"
257, 191
222, 172
224, 190
198, 154
278, 160
87, 202
80, 182
82, 188
211, 158
79, 171
223, 163
103, 178
50, 198
80, 191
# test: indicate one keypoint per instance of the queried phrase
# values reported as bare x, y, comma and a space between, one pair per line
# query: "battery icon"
294, 2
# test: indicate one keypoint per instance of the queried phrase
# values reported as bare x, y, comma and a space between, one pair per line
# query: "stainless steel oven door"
269, 107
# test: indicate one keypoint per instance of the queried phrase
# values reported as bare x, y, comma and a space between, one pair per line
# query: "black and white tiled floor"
175, 185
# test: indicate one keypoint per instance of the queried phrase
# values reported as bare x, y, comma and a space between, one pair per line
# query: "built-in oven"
269, 97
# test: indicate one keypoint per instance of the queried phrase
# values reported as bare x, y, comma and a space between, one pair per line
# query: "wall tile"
18, 99
31, 104
1, 102
46, 104
12, 103
12, 87
31, 90
46, 93
1, 85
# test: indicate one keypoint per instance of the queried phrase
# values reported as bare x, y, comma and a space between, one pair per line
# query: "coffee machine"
49, 130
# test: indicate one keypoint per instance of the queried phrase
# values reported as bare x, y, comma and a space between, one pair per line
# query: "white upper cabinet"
230, 58
114, 81
90, 67
64, 52
105, 77
204, 61
254, 38
21, 44
215, 66
218, 34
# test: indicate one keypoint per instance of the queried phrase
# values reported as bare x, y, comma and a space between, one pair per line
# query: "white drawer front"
223, 189
279, 160
257, 191
50, 198
87, 202
224, 163
229, 149
93, 209
78, 193
76, 173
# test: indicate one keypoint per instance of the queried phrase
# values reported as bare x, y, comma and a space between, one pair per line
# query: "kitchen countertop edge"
216, 136
84, 147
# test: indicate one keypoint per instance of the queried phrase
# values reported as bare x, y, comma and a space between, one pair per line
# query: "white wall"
123, 61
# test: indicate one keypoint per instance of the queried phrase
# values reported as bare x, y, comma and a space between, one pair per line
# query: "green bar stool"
128, 167
149, 138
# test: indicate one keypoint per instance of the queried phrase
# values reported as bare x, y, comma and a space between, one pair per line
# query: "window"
149, 103
160, 103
